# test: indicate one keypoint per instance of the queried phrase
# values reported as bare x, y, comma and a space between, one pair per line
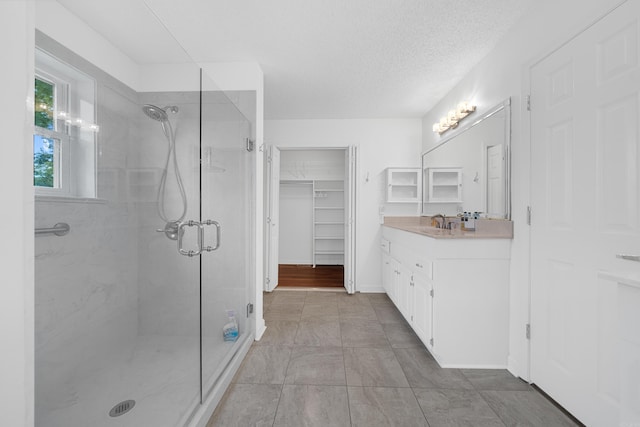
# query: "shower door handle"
190, 223
217, 225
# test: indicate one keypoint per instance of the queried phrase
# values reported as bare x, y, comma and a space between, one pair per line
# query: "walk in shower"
132, 301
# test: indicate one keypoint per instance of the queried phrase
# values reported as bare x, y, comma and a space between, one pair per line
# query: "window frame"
72, 90
61, 151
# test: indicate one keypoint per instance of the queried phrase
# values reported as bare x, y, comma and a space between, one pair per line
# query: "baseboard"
516, 371
469, 366
201, 418
261, 327
370, 289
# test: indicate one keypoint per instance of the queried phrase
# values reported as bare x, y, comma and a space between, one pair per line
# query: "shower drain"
122, 408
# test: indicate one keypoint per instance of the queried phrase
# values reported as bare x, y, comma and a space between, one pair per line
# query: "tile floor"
332, 359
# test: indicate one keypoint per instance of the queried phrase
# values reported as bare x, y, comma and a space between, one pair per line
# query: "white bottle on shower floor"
230, 329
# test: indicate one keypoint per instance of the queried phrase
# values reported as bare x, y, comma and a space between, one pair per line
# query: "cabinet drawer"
420, 264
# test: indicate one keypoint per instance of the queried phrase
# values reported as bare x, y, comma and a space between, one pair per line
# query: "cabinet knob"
419, 265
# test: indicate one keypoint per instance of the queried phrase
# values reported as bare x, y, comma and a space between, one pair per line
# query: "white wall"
381, 143
56, 21
502, 74
16, 251
296, 224
312, 164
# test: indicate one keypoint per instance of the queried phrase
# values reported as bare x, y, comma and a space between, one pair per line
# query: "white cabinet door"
394, 280
387, 273
585, 210
405, 291
423, 308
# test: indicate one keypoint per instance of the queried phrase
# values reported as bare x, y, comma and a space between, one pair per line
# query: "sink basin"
431, 230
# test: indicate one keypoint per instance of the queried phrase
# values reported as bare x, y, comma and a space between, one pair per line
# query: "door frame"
351, 168
271, 218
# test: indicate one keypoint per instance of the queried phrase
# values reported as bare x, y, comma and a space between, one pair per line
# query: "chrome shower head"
157, 113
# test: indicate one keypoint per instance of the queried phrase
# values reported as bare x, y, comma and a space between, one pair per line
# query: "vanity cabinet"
453, 293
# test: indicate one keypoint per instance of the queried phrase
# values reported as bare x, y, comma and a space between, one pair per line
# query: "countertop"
485, 228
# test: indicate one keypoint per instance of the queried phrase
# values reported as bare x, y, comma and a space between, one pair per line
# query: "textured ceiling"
323, 58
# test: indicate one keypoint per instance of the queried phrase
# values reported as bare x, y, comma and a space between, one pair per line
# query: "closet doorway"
310, 230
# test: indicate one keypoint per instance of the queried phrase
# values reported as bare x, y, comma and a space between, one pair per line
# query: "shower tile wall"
86, 297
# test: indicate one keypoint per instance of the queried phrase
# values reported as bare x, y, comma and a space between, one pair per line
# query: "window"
64, 130
50, 170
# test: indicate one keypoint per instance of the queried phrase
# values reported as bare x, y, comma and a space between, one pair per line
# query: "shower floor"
162, 376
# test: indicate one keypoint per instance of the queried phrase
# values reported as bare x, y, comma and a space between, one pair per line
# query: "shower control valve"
171, 230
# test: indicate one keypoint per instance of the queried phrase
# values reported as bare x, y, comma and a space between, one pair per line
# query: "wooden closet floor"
305, 275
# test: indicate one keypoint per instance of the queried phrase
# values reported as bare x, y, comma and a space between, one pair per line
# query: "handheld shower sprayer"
160, 114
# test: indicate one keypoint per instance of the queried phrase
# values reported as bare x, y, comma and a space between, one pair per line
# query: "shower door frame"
212, 389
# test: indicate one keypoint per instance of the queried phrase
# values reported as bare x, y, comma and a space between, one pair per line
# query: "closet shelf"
328, 222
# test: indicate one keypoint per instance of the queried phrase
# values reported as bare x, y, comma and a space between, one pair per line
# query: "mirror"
469, 171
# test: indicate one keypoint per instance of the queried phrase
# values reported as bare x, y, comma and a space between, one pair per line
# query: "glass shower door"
226, 180
168, 246
117, 307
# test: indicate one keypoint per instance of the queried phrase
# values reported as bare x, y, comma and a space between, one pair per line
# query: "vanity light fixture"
453, 117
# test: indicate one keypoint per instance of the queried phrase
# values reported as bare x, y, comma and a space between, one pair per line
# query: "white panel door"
350, 220
495, 181
273, 217
585, 210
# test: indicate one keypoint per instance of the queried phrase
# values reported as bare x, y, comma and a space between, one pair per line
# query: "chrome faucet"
442, 217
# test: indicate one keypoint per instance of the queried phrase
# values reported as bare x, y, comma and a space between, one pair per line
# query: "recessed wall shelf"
444, 185
403, 185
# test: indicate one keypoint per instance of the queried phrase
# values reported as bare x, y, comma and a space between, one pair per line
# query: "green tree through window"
44, 100
43, 148
43, 157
